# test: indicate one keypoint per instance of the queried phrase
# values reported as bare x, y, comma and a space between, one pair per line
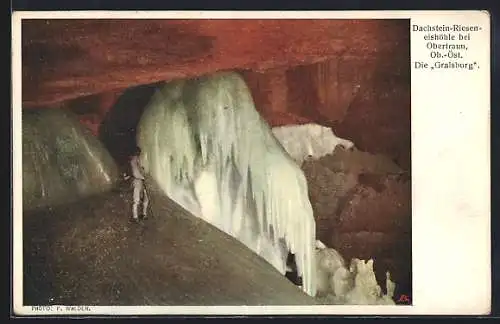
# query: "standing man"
138, 185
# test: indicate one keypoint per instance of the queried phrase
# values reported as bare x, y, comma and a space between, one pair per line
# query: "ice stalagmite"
208, 148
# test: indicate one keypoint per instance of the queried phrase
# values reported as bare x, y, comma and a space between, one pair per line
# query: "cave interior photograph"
216, 162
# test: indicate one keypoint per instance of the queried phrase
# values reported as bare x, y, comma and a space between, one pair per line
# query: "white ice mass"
210, 151
309, 141
356, 285
205, 144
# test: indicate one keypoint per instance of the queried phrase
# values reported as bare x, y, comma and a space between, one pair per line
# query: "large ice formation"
309, 141
62, 161
210, 151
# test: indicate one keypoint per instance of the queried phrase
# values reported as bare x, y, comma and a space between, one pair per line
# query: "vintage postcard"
242, 163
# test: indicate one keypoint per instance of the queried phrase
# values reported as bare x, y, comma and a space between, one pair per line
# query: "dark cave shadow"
118, 129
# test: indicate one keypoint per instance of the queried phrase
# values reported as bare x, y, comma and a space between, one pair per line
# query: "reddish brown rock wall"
362, 205
64, 59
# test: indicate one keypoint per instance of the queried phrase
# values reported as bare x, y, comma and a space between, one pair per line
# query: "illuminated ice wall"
210, 151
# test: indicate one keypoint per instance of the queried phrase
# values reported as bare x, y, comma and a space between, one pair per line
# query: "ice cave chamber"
276, 157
